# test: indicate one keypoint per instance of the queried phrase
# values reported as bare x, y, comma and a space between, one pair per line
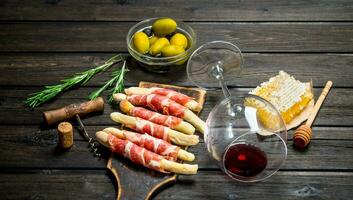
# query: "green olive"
172, 50
153, 39
141, 42
180, 40
164, 26
157, 47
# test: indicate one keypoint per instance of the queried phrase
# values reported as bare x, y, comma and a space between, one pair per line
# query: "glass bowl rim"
225, 100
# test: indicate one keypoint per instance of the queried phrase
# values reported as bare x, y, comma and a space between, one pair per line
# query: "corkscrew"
93, 145
77, 111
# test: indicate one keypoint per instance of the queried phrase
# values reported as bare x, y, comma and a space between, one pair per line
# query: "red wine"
245, 160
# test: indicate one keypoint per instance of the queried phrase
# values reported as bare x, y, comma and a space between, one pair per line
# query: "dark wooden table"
42, 42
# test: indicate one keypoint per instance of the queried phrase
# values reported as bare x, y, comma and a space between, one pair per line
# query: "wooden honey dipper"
303, 134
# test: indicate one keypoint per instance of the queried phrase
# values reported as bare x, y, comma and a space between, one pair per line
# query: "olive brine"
160, 40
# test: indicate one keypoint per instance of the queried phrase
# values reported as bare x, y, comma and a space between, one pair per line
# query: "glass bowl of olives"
160, 44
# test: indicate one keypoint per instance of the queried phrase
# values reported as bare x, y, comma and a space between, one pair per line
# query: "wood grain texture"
40, 69
110, 36
56, 185
30, 147
44, 41
283, 185
92, 184
136, 182
194, 10
336, 111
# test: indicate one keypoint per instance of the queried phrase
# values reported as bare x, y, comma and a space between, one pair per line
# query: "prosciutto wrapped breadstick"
165, 120
164, 105
143, 156
158, 146
155, 130
171, 94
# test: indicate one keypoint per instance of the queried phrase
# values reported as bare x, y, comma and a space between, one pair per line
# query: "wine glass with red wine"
238, 134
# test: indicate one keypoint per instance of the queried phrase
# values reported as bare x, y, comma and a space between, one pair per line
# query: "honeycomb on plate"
287, 94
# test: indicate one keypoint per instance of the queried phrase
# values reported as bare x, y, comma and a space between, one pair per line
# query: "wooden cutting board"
135, 182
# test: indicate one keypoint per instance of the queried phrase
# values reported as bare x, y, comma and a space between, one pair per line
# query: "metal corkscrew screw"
91, 142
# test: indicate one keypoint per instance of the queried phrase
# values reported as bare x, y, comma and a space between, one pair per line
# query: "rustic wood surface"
42, 42
192, 10
250, 37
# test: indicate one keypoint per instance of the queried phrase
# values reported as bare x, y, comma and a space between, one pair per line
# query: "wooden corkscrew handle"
68, 112
303, 134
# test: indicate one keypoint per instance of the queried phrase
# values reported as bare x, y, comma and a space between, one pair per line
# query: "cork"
66, 136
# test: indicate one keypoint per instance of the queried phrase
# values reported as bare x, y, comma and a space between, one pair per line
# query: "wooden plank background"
38, 69
111, 36
42, 42
192, 10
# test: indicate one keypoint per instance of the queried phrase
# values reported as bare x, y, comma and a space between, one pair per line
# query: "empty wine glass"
245, 134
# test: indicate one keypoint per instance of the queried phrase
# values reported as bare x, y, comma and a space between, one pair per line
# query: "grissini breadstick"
171, 94
158, 146
143, 156
165, 106
155, 130
165, 120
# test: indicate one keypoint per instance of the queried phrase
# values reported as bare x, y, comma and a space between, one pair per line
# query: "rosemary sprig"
81, 78
117, 78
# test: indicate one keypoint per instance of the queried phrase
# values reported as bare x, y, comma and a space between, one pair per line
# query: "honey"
287, 94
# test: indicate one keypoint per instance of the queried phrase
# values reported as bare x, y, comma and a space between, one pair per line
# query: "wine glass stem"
224, 87
218, 73
226, 94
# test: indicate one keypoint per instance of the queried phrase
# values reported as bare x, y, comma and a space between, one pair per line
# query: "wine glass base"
212, 60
